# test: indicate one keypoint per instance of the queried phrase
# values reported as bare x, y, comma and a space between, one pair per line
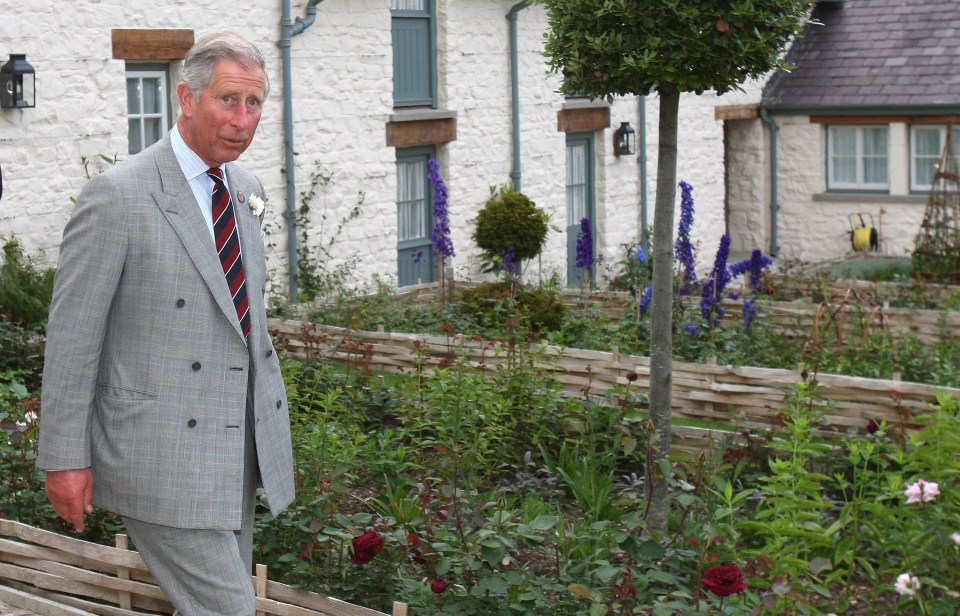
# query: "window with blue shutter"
416, 263
414, 53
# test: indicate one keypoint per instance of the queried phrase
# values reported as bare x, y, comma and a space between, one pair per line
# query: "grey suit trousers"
205, 572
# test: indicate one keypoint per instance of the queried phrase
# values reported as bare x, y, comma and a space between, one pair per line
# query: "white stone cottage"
856, 128
372, 89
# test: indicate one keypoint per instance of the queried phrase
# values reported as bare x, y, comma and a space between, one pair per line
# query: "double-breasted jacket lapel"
179, 206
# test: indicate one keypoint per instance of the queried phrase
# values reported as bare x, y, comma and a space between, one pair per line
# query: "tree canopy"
604, 48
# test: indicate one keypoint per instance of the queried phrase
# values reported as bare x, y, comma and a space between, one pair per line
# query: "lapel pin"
240, 197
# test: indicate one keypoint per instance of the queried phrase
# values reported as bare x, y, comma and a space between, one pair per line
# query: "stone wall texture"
342, 100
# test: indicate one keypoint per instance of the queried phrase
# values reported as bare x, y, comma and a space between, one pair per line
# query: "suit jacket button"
192, 423
270, 352
279, 403
196, 366
181, 303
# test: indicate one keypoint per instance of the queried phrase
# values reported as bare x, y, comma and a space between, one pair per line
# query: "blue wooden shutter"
414, 53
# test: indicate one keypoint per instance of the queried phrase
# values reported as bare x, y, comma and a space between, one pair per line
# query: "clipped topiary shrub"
510, 223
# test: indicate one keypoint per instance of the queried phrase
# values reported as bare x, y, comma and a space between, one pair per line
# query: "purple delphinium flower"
693, 330
754, 266
584, 245
645, 299
508, 255
749, 312
416, 256
683, 248
641, 255
712, 291
442, 243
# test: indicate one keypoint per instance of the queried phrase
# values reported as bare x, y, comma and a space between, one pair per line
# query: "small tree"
509, 229
604, 48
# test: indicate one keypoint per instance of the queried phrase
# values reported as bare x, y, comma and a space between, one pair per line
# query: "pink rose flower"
921, 491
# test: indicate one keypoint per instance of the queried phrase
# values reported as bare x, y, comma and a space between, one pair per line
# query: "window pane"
134, 139
133, 96
576, 183
151, 96
411, 200
408, 5
875, 141
875, 170
843, 141
927, 142
844, 170
152, 130
843, 155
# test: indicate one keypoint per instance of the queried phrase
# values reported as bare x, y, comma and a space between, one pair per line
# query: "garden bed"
733, 398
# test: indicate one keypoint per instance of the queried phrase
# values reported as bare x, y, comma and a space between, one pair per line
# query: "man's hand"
71, 494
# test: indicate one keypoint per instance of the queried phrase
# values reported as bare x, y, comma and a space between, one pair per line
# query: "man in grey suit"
162, 394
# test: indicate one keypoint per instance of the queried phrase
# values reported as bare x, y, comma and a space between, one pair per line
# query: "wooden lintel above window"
885, 119
736, 112
583, 120
409, 134
155, 45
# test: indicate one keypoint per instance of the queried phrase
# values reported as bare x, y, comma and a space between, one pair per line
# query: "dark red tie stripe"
228, 247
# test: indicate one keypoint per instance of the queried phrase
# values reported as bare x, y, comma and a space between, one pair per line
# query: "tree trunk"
661, 337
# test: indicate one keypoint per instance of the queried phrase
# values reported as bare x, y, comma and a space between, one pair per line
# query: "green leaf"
652, 549
544, 522
493, 554
581, 591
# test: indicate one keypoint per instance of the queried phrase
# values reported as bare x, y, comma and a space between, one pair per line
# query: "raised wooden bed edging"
55, 575
740, 397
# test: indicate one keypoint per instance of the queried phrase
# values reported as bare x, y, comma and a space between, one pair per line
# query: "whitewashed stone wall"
812, 224
342, 100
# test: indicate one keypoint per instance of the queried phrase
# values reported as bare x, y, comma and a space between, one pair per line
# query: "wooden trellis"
936, 255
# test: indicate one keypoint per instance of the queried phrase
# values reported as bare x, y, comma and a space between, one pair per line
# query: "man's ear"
185, 97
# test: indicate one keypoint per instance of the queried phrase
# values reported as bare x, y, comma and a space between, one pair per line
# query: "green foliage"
26, 287
492, 304
511, 223
317, 279
604, 48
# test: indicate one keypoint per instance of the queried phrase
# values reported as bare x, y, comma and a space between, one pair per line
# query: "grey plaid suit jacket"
147, 373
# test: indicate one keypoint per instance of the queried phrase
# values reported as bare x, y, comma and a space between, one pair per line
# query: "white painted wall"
814, 225
342, 75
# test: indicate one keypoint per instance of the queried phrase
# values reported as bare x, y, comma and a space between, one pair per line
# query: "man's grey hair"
211, 48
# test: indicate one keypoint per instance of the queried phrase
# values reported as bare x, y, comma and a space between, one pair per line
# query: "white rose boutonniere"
256, 205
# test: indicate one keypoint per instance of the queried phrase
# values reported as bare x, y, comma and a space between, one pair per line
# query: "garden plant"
493, 492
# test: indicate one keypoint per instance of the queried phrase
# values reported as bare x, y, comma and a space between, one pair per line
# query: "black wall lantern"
624, 140
17, 87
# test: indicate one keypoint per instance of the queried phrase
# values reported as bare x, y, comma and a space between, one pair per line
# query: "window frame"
427, 263
165, 115
860, 184
915, 185
430, 97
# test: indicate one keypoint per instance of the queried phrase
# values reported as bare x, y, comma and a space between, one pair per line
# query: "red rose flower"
632, 376
872, 426
438, 586
724, 580
365, 547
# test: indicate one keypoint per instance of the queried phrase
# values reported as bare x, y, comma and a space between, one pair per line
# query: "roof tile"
874, 52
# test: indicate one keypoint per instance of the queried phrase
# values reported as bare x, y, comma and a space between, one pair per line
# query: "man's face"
220, 124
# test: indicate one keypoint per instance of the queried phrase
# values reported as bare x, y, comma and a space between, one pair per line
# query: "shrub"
488, 305
26, 287
510, 221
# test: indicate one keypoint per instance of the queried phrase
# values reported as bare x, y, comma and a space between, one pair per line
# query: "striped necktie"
228, 247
